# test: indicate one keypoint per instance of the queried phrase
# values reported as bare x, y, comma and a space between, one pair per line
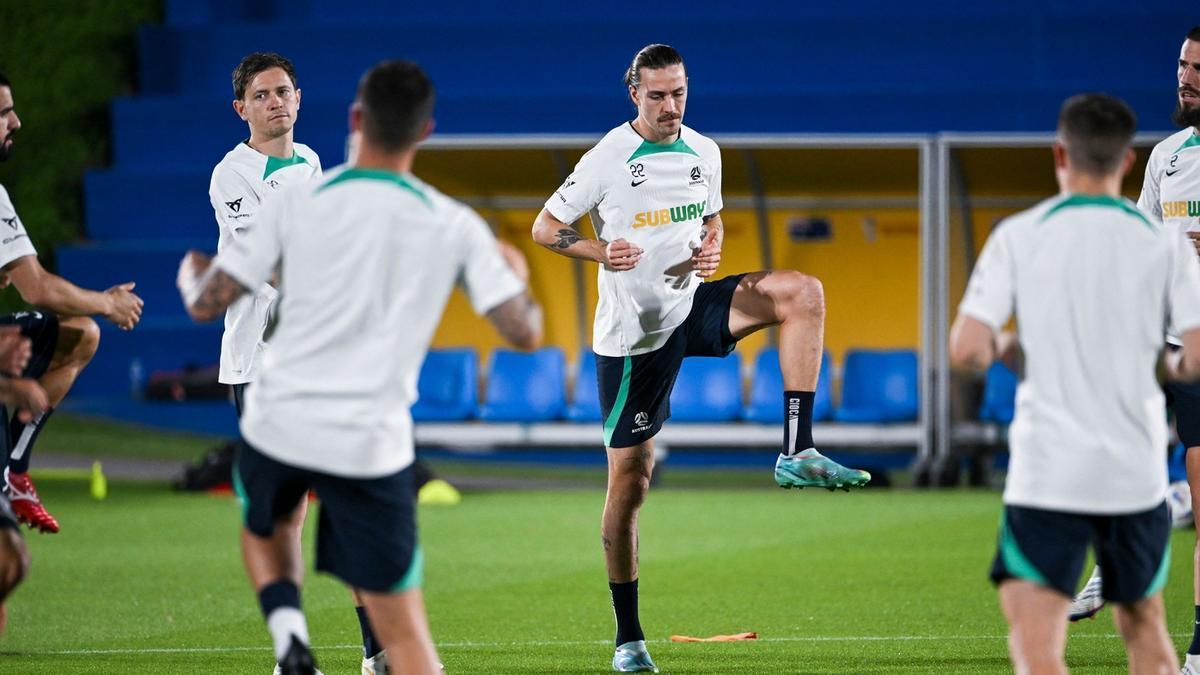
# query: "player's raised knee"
88, 332
801, 294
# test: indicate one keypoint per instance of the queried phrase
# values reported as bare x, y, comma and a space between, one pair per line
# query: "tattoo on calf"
567, 238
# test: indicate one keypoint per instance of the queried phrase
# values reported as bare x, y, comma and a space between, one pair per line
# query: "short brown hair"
1097, 130
256, 63
396, 100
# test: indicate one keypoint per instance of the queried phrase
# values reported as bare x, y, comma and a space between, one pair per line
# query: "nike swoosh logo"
1172, 173
636, 183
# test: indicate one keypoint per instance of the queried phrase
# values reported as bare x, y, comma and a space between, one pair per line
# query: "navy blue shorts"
1049, 548
41, 327
635, 391
366, 532
1184, 399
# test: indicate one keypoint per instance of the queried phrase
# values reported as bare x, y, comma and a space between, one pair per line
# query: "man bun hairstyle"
396, 100
255, 63
1097, 131
652, 57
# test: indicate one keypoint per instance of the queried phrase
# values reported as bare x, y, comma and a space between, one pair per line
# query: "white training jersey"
14, 240
240, 183
655, 196
1171, 187
368, 259
1093, 282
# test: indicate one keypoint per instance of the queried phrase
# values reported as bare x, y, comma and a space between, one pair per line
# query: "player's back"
1091, 277
369, 259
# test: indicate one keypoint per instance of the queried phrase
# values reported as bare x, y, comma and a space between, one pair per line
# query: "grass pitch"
150, 581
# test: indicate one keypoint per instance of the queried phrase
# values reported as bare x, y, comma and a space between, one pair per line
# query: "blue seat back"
585, 395
708, 390
766, 390
448, 386
879, 386
999, 395
525, 387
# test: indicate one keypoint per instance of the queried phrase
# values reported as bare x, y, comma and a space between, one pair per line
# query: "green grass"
883, 581
75, 435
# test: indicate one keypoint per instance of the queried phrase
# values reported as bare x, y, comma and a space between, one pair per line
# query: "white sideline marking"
548, 643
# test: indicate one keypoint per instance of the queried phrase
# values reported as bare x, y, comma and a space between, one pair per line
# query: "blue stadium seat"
879, 386
585, 397
766, 390
999, 395
525, 387
708, 390
156, 344
448, 386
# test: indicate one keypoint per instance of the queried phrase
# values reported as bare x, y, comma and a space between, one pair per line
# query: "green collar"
1075, 201
356, 173
1192, 141
274, 163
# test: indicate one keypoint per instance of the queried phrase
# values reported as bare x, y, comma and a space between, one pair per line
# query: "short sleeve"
580, 192
14, 240
485, 276
991, 291
1183, 296
234, 202
1149, 201
252, 258
715, 203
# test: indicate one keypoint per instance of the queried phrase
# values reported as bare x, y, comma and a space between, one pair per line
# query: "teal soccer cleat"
632, 657
812, 469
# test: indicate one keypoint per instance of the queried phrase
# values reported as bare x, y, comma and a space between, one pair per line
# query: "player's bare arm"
207, 291
972, 344
518, 319
24, 394
41, 288
707, 258
1183, 365
564, 239
15, 350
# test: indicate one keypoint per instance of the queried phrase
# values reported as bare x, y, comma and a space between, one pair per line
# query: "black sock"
371, 645
280, 603
797, 428
1195, 648
625, 606
22, 436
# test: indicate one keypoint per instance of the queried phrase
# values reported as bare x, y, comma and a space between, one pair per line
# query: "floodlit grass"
877, 581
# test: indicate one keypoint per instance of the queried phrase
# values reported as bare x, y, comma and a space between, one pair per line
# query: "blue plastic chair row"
877, 387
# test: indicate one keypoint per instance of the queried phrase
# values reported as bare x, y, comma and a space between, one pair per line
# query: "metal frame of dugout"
743, 147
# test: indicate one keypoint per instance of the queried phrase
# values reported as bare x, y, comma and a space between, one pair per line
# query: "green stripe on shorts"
241, 492
610, 424
1014, 560
415, 574
1160, 577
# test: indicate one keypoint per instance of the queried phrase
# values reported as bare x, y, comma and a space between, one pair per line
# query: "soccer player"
368, 257
62, 347
653, 187
1087, 440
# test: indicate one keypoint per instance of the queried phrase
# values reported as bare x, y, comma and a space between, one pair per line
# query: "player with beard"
63, 334
1171, 192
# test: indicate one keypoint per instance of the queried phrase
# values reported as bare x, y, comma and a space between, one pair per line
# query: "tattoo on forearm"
219, 291
566, 238
708, 217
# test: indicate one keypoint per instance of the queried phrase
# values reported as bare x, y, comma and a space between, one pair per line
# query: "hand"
125, 306
515, 259
28, 397
1195, 237
707, 258
15, 351
622, 255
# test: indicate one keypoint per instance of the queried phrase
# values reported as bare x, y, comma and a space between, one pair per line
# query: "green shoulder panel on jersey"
1192, 141
1075, 201
274, 163
376, 174
648, 148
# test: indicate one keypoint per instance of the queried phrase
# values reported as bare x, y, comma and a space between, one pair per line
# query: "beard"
1186, 116
5, 148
